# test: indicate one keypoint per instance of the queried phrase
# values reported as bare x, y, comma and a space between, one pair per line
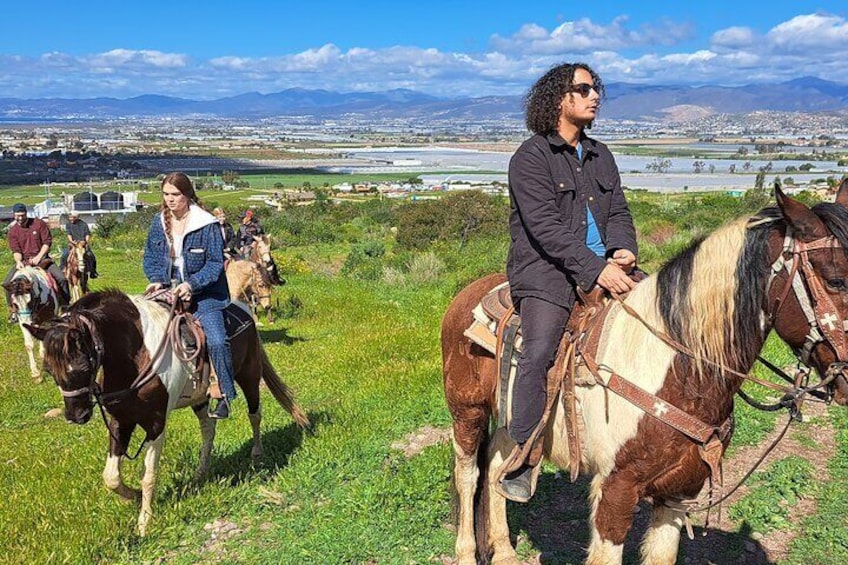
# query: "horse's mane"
711, 295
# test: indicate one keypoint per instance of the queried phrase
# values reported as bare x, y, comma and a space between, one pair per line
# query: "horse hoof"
37, 379
129, 495
506, 560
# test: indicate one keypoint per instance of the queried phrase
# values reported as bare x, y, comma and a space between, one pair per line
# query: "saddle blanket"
236, 319
483, 330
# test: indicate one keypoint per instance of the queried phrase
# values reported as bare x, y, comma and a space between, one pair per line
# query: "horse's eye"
837, 284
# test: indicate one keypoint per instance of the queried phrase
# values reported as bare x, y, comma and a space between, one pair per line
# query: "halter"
817, 306
94, 359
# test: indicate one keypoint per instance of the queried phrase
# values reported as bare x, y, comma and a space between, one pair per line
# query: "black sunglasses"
584, 89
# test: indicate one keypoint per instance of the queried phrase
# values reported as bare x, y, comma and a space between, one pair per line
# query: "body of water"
461, 164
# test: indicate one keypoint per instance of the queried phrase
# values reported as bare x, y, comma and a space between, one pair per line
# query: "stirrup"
221, 410
517, 478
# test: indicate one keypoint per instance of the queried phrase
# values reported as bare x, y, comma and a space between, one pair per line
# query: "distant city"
665, 138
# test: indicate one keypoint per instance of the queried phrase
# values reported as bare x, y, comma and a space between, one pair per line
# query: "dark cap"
18, 208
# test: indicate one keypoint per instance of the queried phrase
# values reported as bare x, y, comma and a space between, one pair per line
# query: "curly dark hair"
542, 101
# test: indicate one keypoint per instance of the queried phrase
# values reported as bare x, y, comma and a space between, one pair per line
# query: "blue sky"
211, 49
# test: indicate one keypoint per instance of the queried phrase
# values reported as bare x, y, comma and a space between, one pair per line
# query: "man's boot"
520, 471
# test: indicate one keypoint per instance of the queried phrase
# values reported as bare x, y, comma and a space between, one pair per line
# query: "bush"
458, 216
426, 268
288, 265
291, 308
107, 226
365, 260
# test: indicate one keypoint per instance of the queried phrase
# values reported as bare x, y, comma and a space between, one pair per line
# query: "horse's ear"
842, 193
37, 331
802, 219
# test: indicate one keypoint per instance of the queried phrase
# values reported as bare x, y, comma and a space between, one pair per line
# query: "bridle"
819, 310
95, 360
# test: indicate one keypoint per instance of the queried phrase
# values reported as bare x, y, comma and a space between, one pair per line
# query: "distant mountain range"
624, 101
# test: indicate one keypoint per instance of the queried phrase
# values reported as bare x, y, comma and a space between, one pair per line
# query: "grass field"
364, 360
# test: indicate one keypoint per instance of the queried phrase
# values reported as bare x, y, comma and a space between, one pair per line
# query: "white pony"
36, 300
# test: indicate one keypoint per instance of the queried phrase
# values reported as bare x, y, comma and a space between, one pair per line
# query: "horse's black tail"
282, 392
481, 500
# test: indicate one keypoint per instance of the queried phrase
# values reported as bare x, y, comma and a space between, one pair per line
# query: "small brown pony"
249, 283
122, 334
785, 270
261, 255
75, 271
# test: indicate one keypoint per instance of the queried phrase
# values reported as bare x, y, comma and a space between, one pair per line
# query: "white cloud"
812, 31
732, 38
585, 36
805, 44
118, 57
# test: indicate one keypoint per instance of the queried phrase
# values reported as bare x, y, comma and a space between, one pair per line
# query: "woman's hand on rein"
183, 291
152, 287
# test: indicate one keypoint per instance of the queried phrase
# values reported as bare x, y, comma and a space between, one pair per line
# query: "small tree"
659, 165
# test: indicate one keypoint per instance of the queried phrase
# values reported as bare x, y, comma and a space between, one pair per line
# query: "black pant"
542, 326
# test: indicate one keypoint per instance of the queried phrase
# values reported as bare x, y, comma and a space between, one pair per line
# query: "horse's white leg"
601, 551
255, 421
29, 344
465, 473
113, 480
661, 541
502, 551
207, 434
148, 482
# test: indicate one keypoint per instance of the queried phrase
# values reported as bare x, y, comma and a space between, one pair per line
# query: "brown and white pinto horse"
75, 271
36, 299
121, 334
720, 298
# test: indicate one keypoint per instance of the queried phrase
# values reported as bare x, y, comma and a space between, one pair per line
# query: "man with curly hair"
570, 226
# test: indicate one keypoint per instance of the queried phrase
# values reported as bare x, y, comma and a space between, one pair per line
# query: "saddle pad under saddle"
484, 327
483, 332
236, 320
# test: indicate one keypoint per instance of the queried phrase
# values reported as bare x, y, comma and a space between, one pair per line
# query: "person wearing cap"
227, 232
30, 241
77, 230
249, 230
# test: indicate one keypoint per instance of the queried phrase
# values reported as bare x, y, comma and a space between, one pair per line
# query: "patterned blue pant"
219, 350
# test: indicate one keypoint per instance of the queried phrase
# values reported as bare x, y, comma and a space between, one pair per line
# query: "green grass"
364, 360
